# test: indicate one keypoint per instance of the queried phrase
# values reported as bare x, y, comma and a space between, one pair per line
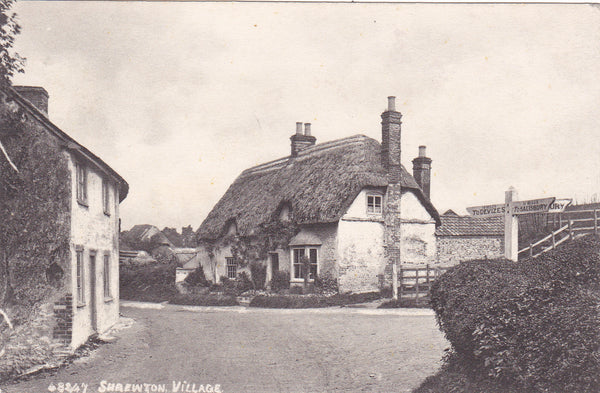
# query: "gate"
415, 282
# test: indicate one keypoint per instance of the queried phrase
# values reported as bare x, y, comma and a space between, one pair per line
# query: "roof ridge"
325, 146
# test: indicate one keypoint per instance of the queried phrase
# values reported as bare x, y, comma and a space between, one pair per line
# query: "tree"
10, 62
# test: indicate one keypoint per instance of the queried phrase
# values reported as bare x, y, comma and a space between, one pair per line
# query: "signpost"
559, 205
511, 209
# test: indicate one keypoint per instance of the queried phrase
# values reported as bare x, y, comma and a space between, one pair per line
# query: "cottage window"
80, 287
231, 268
81, 178
106, 276
298, 253
106, 197
374, 204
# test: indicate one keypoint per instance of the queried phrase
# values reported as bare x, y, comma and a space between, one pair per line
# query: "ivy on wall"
256, 247
34, 210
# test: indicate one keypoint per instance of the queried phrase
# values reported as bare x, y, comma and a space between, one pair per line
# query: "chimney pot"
302, 140
391, 103
307, 129
422, 171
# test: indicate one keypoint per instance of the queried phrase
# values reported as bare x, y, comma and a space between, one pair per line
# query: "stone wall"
452, 250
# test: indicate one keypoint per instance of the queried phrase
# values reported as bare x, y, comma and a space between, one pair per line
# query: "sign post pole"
511, 227
512, 209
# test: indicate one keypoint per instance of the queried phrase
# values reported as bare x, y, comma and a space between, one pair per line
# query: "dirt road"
255, 350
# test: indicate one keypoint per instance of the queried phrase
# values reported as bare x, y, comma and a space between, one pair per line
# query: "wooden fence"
577, 223
415, 282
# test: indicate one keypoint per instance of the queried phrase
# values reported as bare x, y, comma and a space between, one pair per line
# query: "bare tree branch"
8, 158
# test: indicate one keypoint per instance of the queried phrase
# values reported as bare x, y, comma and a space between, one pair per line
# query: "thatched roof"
319, 185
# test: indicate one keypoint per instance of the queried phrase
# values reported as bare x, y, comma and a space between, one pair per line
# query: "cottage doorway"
93, 311
274, 262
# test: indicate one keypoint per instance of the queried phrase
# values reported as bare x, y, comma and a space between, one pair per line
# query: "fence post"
395, 281
595, 222
427, 278
560, 220
417, 286
401, 282
530, 249
571, 229
553, 241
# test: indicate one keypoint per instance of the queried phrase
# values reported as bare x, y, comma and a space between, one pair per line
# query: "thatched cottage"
348, 205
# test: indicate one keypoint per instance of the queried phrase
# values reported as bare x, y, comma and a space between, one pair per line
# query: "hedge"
147, 283
312, 301
204, 300
533, 325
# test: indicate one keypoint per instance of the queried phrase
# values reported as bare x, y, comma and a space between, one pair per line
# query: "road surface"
256, 350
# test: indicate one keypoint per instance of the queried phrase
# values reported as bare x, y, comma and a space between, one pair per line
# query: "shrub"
152, 283
233, 287
533, 324
405, 303
197, 278
204, 300
326, 284
280, 280
243, 282
312, 301
258, 271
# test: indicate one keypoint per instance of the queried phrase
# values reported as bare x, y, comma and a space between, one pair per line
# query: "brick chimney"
390, 159
422, 171
38, 96
390, 141
301, 141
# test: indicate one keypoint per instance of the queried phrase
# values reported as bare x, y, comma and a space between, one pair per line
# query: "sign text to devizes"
487, 210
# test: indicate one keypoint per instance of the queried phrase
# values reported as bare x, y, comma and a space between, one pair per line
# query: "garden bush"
280, 280
312, 301
149, 283
258, 271
326, 284
243, 283
533, 325
197, 278
405, 303
204, 300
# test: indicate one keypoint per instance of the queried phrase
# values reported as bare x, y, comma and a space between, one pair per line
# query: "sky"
180, 98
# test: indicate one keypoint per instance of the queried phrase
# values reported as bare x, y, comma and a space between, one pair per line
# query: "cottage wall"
451, 250
418, 233
361, 260
94, 232
361, 257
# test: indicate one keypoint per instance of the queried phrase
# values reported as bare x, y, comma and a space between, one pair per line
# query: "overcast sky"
180, 98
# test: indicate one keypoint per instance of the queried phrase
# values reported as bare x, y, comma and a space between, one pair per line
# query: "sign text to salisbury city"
531, 206
559, 205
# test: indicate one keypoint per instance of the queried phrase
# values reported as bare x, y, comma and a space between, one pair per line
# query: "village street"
258, 350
